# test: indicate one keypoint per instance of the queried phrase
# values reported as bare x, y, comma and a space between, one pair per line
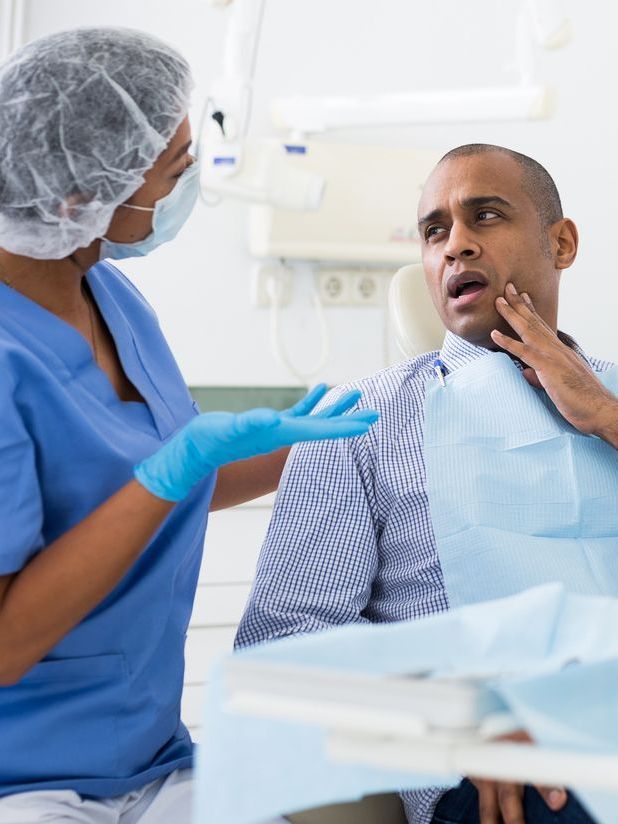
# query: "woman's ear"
565, 242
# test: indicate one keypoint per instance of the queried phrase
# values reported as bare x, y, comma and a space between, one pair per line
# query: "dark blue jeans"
461, 806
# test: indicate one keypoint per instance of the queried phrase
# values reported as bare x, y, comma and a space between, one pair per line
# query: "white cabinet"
233, 542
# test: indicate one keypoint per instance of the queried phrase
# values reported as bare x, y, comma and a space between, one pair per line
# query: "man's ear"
565, 241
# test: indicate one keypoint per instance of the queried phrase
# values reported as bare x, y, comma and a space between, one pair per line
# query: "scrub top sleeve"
21, 510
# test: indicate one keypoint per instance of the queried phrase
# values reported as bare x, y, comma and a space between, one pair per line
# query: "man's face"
479, 230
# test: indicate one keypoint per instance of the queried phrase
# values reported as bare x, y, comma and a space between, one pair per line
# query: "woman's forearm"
245, 480
45, 600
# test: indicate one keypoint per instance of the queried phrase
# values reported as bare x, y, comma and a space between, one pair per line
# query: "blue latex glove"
217, 438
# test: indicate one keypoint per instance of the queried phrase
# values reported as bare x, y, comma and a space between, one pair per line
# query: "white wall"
199, 284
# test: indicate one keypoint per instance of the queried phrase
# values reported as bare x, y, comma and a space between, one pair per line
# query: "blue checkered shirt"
351, 540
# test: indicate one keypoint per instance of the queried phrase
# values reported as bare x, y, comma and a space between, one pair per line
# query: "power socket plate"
366, 288
351, 287
333, 286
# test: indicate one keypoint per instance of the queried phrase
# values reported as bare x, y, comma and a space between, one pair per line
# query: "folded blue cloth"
547, 652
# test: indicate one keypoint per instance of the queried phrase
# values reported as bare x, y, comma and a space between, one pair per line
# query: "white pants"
168, 800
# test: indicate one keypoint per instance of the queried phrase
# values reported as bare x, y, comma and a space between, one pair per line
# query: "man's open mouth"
465, 283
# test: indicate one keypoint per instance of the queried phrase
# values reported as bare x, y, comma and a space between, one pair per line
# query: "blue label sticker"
293, 149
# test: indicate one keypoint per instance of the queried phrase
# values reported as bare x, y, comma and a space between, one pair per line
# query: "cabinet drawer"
233, 542
219, 604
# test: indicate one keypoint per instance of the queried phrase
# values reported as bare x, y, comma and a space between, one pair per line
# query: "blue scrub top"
101, 713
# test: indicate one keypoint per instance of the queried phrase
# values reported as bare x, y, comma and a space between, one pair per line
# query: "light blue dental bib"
518, 497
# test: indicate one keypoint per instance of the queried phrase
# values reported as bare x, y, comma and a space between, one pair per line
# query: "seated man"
351, 538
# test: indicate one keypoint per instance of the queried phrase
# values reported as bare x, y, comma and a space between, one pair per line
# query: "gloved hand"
217, 438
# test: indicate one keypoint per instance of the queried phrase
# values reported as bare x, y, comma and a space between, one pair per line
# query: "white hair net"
83, 115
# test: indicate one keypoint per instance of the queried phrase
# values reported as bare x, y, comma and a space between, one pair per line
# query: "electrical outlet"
262, 276
366, 289
333, 287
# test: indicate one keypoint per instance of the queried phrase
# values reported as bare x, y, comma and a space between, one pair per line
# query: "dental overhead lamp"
262, 174
230, 168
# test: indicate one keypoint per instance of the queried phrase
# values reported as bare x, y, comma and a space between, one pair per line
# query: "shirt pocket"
61, 720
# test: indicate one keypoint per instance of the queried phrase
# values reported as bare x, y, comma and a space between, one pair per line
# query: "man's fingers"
518, 303
528, 301
530, 305
515, 347
515, 298
521, 302
538, 342
520, 318
489, 809
519, 312
510, 799
554, 797
526, 354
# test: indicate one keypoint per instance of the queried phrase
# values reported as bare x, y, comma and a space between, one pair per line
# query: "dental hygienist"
107, 471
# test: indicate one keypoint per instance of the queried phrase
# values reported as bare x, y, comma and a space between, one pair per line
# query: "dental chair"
416, 324
417, 328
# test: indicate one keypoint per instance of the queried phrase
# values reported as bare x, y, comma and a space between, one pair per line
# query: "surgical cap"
83, 115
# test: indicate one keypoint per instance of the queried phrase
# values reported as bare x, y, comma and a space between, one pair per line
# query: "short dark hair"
536, 179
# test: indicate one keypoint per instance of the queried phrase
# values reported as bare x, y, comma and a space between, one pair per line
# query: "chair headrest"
417, 325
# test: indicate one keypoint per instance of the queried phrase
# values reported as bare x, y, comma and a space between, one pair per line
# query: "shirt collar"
457, 352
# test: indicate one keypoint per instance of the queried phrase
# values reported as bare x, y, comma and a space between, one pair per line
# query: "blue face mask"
170, 213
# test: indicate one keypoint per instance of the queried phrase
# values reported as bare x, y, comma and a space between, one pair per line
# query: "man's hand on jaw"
502, 803
551, 365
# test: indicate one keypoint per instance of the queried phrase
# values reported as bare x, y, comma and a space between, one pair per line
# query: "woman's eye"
487, 214
188, 160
